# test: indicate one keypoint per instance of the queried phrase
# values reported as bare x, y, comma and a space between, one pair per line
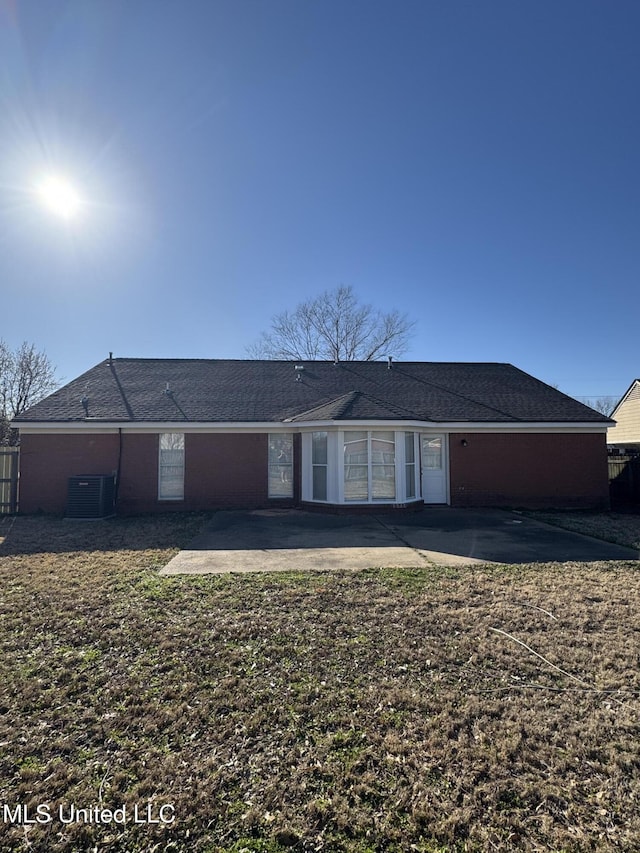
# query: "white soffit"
127, 427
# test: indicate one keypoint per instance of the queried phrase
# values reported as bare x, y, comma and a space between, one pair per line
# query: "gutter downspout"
118, 470
130, 413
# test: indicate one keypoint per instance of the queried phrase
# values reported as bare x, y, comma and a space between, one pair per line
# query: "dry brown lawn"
493, 708
619, 527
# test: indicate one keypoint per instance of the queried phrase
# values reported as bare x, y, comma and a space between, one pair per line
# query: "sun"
60, 197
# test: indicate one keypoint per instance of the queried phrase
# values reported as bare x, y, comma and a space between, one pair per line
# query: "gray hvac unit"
91, 497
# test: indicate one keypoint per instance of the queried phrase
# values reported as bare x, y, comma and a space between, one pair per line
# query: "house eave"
96, 426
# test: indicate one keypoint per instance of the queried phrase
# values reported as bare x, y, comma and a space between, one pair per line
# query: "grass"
621, 528
429, 710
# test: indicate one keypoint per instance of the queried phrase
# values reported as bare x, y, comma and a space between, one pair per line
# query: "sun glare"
60, 197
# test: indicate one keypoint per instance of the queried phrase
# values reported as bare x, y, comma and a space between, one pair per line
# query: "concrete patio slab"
294, 540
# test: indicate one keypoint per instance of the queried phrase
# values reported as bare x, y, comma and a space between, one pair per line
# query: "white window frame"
163, 466
407, 465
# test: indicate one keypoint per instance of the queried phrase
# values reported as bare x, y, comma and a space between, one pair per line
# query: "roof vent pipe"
110, 358
389, 362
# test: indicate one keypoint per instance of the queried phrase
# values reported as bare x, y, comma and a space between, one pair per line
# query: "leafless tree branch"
334, 327
26, 377
604, 405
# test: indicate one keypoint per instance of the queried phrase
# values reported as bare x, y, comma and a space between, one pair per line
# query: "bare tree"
26, 377
334, 327
605, 405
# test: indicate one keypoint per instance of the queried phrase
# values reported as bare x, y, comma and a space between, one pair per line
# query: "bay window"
361, 466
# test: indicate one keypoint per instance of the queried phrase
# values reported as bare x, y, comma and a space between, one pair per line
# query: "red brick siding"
47, 461
529, 470
138, 489
230, 470
221, 470
226, 470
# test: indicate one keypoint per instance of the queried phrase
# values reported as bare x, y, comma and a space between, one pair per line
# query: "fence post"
9, 479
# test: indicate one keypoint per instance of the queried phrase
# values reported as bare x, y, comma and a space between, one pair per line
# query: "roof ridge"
341, 404
351, 395
385, 405
396, 364
348, 400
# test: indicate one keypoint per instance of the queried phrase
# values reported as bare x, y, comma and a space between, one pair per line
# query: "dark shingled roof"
211, 390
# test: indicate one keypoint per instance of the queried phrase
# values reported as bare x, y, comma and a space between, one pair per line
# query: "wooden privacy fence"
624, 479
9, 479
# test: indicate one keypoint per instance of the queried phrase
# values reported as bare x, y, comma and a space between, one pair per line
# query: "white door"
434, 468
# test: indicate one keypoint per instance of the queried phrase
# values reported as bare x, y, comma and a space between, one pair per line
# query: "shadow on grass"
56, 535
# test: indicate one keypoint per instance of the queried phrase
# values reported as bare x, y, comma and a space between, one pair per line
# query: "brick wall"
138, 489
226, 470
221, 470
47, 461
529, 470
230, 470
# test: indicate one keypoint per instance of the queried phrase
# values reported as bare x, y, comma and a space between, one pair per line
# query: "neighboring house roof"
211, 390
632, 393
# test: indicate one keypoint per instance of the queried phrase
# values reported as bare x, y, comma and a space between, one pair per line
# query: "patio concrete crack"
407, 544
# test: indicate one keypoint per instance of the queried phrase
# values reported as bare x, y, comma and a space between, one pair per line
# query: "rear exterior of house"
354, 436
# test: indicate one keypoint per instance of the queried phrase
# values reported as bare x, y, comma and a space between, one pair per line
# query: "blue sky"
473, 164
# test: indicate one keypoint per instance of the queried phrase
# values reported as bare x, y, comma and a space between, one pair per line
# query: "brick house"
200, 434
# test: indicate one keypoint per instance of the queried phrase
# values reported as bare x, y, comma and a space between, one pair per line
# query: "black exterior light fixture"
464, 442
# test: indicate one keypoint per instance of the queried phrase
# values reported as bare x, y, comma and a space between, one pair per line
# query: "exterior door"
434, 468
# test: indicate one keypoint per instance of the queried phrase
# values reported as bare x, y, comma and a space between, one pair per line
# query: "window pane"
355, 448
383, 447
409, 448
171, 485
319, 482
356, 483
171, 441
319, 448
432, 453
383, 482
280, 481
281, 465
171, 466
171, 457
281, 449
410, 477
